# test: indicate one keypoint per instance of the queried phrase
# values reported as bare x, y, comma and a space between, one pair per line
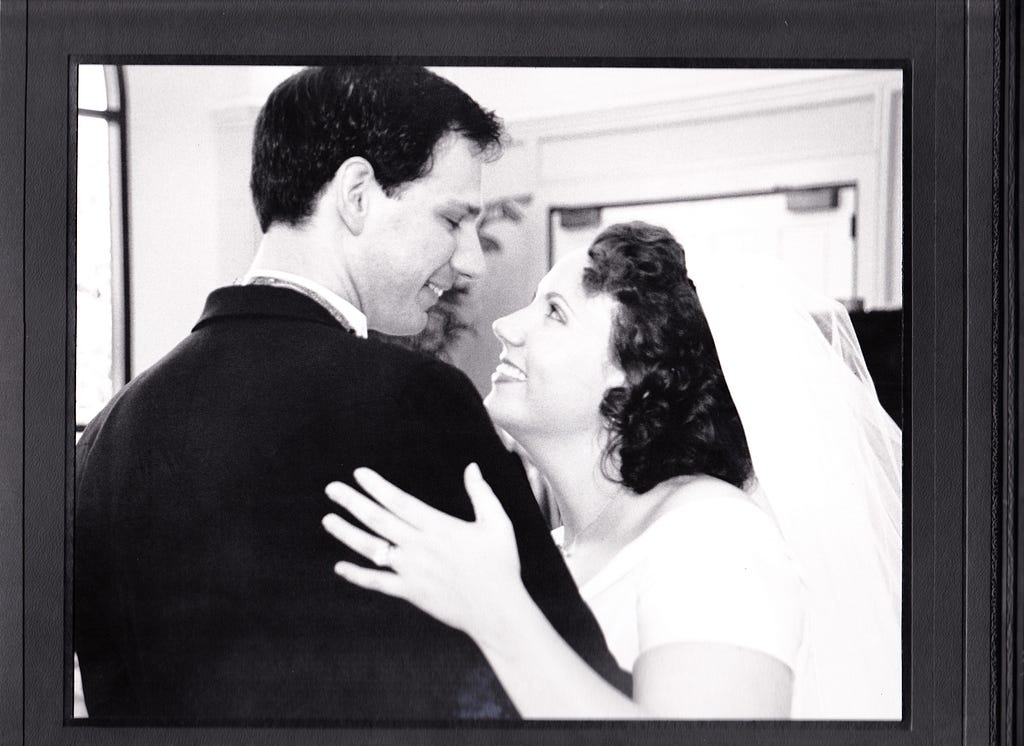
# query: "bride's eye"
554, 312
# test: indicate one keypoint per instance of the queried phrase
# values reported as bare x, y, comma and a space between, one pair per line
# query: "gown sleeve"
717, 570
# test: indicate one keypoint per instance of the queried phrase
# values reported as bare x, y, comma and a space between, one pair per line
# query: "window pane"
92, 88
94, 342
816, 245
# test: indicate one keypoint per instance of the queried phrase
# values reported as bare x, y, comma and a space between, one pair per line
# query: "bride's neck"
572, 468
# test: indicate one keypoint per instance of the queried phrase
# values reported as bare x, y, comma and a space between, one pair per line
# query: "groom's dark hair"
674, 416
391, 115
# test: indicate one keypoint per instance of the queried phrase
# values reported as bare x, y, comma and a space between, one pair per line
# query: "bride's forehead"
567, 274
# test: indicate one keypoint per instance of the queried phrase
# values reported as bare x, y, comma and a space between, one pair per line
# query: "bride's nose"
508, 330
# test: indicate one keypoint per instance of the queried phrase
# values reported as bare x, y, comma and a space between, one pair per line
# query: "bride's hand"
463, 573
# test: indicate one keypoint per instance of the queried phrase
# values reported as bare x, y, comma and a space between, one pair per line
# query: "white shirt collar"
351, 314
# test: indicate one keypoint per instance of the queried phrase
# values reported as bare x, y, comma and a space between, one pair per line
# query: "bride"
729, 489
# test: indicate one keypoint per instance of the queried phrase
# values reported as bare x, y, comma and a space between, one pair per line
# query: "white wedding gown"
713, 569
717, 570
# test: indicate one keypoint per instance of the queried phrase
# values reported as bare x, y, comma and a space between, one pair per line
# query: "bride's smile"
508, 371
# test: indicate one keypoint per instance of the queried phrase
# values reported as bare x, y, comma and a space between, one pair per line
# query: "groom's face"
423, 240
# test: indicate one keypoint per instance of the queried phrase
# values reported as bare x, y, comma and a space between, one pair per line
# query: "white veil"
828, 461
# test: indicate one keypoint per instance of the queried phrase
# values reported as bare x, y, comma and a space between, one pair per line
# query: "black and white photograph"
481, 372
440, 393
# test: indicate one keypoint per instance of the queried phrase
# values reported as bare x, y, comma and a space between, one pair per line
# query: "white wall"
188, 193
527, 93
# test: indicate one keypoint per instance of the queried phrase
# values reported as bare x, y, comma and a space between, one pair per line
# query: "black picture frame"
961, 278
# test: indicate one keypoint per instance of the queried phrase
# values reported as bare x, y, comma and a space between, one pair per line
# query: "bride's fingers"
375, 580
377, 519
485, 503
375, 549
407, 507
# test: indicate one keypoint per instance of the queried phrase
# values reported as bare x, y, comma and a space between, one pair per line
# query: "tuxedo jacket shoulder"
204, 587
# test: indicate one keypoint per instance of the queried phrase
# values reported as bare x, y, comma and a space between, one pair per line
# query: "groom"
203, 583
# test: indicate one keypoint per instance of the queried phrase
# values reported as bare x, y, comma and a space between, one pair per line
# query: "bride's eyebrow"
552, 295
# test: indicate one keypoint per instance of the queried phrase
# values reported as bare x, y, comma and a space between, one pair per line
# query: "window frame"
120, 275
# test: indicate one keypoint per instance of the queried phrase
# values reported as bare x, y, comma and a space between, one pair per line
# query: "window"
811, 230
101, 343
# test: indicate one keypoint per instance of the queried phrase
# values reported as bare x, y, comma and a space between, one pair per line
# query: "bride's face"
556, 358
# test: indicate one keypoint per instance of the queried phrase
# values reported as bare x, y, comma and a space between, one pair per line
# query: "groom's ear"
354, 185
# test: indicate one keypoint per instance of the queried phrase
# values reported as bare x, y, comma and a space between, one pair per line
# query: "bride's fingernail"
364, 473
339, 569
474, 471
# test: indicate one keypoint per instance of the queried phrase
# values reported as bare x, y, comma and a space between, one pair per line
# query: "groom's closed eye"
458, 211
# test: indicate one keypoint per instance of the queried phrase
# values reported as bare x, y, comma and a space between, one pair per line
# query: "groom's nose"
468, 259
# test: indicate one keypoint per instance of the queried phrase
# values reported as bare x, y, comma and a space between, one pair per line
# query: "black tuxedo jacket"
203, 582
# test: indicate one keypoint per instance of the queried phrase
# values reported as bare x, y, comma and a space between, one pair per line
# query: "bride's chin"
494, 409
498, 416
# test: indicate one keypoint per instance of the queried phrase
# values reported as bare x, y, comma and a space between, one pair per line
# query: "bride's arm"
466, 574
546, 679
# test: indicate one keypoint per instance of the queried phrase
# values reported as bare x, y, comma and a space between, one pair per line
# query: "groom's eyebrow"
464, 208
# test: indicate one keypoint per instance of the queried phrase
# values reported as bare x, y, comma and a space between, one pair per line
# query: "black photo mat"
962, 640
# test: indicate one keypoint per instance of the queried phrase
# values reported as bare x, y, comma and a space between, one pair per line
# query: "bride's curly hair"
674, 416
